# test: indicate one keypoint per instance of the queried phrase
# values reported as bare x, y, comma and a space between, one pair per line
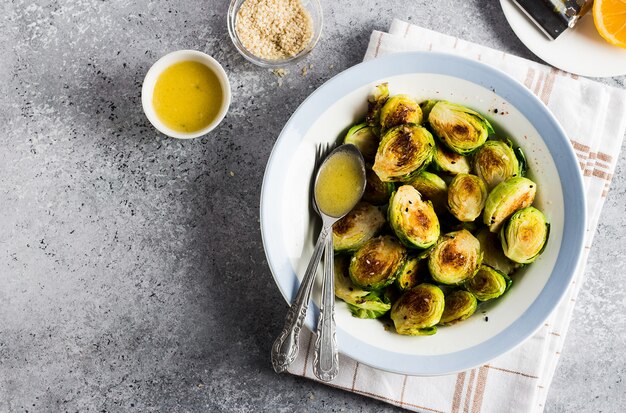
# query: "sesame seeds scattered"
274, 29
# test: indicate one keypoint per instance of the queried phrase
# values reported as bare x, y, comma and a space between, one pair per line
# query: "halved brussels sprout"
364, 138
418, 310
455, 258
488, 283
450, 162
409, 275
376, 264
376, 192
414, 221
467, 195
427, 106
433, 188
375, 102
460, 305
462, 129
361, 303
492, 252
403, 152
506, 198
495, 162
399, 110
356, 228
525, 235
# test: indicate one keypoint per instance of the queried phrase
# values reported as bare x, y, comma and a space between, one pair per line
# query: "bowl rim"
149, 82
536, 113
231, 17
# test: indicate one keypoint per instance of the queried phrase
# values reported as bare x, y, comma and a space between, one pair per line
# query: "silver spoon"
285, 348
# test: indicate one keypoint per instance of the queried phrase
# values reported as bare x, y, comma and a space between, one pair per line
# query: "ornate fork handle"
285, 348
326, 355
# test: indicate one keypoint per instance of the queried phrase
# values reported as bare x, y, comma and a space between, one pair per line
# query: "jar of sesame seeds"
274, 33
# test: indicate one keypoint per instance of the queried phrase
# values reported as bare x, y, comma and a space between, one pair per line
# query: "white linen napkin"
519, 380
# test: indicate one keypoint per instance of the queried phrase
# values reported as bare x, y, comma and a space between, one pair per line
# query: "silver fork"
285, 348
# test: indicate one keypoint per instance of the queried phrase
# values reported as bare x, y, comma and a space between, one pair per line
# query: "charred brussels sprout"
427, 106
521, 159
461, 129
460, 305
357, 227
450, 162
418, 310
361, 303
375, 103
455, 258
488, 283
506, 198
495, 162
413, 220
399, 110
376, 264
492, 252
376, 192
525, 235
466, 197
433, 188
409, 275
403, 152
364, 138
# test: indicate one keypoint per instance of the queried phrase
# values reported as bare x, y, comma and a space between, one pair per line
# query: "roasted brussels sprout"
376, 192
525, 235
361, 303
462, 129
409, 275
376, 264
488, 283
449, 162
466, 197
433, 188
375, 103
357, 227
399, 110
403, 151
506, 198
492, 252
459, 306
495, 162
413, 220
455, 258
427, 106
418, 310
364, 138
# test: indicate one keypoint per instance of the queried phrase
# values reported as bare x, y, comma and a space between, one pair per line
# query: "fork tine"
322, 150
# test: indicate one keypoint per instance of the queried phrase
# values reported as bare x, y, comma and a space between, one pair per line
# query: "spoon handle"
285, 348
326, 356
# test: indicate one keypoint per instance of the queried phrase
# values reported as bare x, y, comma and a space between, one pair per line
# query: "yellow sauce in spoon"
338, 185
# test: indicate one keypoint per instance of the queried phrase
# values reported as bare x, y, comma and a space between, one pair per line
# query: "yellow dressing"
339, 184
187, 96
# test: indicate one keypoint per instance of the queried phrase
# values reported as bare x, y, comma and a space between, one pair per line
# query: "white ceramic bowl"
163, 63
289, 226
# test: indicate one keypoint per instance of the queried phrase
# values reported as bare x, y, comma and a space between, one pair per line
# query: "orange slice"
609, 17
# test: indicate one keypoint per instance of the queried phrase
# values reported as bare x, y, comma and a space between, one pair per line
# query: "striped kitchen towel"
519, 380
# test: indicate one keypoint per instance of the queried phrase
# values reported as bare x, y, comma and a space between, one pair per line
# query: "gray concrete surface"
132, 274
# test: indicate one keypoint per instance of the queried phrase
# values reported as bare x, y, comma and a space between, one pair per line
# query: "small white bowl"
163, 63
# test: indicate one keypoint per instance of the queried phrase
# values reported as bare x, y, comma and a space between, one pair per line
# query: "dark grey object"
553, 17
